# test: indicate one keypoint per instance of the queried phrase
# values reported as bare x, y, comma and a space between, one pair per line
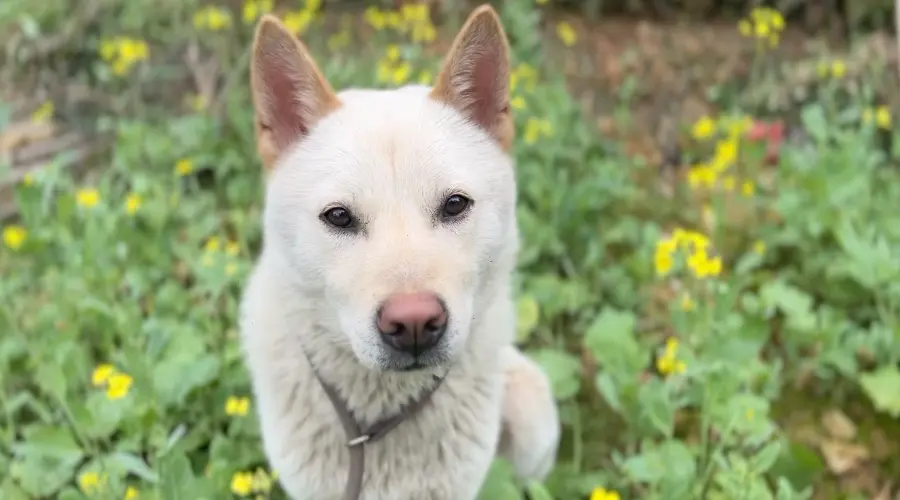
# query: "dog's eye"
338, 217
455, 206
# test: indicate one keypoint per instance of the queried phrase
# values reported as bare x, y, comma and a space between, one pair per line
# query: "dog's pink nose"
412, 322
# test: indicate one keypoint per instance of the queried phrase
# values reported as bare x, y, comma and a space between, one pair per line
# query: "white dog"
380, 305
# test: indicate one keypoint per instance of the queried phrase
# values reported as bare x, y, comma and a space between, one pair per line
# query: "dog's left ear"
474, 78
290, 94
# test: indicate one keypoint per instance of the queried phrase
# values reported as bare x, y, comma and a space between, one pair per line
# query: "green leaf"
563, 370
135, 465
47, 441
500, 483
175, 476
527, 317
611, 340
883, 388
537, 491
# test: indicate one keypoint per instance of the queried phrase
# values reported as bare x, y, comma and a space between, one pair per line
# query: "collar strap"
357, 436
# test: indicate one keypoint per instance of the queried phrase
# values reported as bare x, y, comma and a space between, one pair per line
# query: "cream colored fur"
391, 157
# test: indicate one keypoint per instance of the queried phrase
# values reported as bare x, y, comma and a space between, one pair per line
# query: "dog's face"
393, 209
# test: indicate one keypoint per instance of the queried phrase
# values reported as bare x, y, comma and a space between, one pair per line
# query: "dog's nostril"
412, 322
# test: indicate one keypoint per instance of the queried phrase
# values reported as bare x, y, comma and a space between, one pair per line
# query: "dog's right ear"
290, 94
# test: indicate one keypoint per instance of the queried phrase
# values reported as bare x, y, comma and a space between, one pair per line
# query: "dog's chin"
406, 363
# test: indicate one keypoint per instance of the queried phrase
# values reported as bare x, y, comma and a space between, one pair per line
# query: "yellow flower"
883, 117
212, 245
535, 128
745, 28
232, 248
759, 247
566, 33
518, 102
747, 188
230, 269
425, 77
339, 40
27, 179
254, 8
725, 155
118, 386
184, 167
212, 18
668, 363
237, 407
663, 257
131, 493
101, 374
242, 483
90, 482
14, 236
43, 113
87, 197
603, 494
375, 17
132, 203
262, 482
687, 303
701, 175
297, 22
838, 69
541, 2
750, 414
401, 73
703, 128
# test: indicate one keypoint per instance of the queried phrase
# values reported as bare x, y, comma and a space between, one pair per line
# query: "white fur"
392, 157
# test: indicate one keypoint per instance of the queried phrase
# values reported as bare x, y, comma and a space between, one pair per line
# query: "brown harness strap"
357, 437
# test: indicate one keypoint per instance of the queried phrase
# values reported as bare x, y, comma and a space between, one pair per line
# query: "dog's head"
392, 209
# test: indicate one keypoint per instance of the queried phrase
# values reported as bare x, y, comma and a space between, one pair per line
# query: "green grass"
802, 316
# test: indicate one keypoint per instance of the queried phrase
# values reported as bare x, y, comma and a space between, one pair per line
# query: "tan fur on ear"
290, 94
474, 78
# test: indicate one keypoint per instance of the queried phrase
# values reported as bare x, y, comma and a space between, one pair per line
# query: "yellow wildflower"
687, 303
883, 117
339, 40
541, 2
425, 77
101, 374
701, 175
400, 74
725, 155
566, 33
230, 269
118, 386
297, 22
232, 248
535, 128
748, 188
131, 493
237, 407
838, 69
663, 257
90, 482
262, 482
212, 244
14, 236
392, 53
184, 167
242, 483
43, 113
28, 179
212, 18
750, 414
254, 8
668, 363
745, 28
132, 203
703, 128
823, 69
375, 18
87, 197
759, 247
603, 494
518, 102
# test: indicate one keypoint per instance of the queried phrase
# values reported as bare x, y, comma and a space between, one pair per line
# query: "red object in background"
772, 133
